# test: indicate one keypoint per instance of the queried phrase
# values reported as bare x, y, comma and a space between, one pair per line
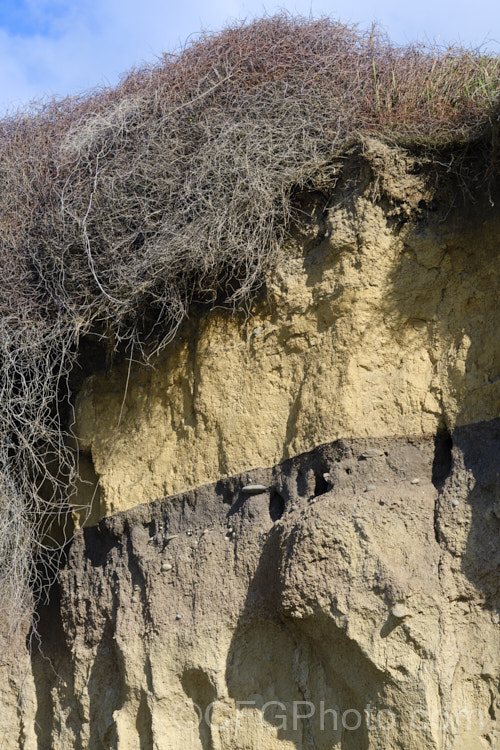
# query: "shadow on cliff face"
297, 676
59, 709
447, 283
480, 447
104, 689
51, 666
200, 690
468, 509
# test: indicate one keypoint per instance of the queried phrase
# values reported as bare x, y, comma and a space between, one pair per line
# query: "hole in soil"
441, 466
276, 506
321, 485
302, 484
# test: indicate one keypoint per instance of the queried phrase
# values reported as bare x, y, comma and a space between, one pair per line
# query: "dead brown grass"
119, 208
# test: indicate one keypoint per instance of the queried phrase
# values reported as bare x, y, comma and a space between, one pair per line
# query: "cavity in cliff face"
293, 539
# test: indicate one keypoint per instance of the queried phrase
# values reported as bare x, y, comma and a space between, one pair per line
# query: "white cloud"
92, 44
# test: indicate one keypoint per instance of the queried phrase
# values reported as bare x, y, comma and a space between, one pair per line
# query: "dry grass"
120, 208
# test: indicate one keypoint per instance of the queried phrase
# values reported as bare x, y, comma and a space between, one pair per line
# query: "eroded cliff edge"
372, 362
382, 321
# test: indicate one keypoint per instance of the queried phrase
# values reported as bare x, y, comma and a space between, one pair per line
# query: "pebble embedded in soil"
399, 612
253, 489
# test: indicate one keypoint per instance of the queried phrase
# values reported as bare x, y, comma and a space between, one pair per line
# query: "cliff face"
347, 606
376, 326
360, 585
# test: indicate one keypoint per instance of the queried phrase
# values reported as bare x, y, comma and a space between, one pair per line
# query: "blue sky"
59, 47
